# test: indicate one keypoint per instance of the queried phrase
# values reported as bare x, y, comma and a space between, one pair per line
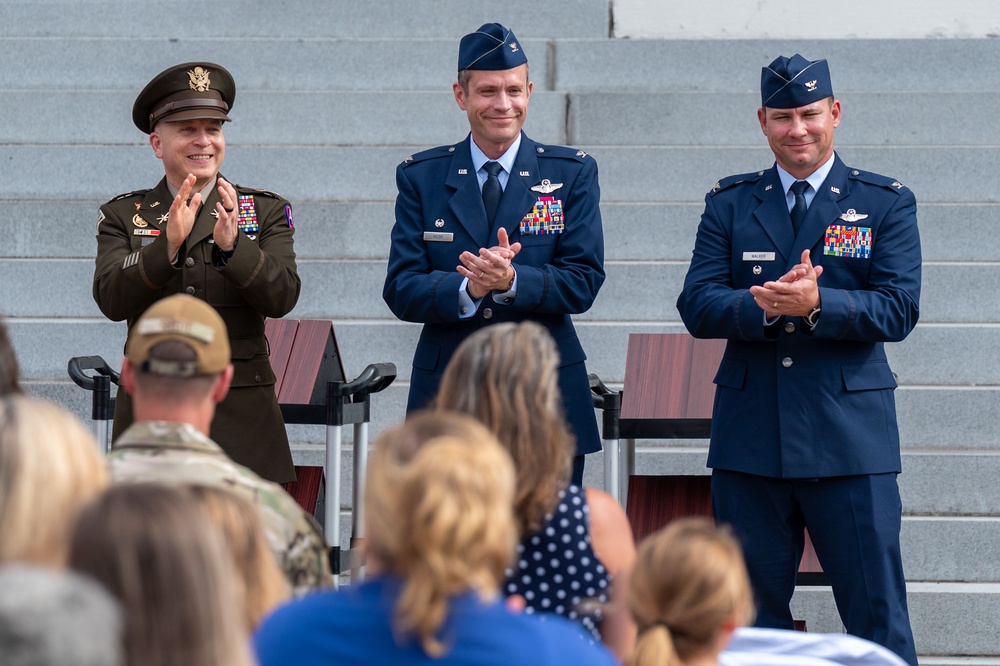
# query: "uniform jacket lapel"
518, 199
204, 225
155, 206
824, 210
466, 202
772, 212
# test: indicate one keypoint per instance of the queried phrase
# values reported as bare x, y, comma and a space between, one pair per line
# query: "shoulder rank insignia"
852, 216
581, 153
408, 158
717, 186
138, 221
546, 187
898, 185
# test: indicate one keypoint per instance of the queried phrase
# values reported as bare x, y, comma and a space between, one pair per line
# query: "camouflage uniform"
178, 453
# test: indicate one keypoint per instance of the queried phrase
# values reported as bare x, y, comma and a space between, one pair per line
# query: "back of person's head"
240, 524
50, 617
154, 548
176, 351
689, 586
9, 373
49, 467
440, 518
507, 376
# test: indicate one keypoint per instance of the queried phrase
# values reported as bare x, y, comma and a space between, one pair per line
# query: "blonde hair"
49, 467
506, 376
689, 579
263, 581
154, 548
440, 518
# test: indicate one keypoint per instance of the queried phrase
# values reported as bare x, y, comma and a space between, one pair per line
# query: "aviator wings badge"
546, 187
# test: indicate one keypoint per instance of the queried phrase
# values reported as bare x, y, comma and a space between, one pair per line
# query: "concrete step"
351, 289
948, 619
44, 345
302, 19
315, 118
317, 173
257, 63
360, 230
733, 65
376, 117
698, 119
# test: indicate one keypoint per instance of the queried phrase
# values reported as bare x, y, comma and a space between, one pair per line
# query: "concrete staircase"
332, 95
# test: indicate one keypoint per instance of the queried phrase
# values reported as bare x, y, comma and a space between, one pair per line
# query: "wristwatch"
813, 317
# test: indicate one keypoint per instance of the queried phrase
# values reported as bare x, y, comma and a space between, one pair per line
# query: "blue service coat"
558, 274
793, 402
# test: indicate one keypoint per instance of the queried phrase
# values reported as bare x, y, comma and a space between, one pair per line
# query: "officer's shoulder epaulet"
564, 152
430, 153
730, 181
876, 179
127, 195
252, 190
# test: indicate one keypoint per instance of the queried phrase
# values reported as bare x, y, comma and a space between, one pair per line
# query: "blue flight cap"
788, 83
492, 47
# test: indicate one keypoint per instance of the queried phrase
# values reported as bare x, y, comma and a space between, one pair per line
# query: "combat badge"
546, 187
138, 221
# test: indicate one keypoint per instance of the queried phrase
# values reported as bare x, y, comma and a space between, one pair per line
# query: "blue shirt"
354, 626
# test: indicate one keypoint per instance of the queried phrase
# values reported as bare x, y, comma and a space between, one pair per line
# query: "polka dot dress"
556, 569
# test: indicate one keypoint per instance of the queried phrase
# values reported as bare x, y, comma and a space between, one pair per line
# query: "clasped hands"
490, 270
184, 211
795, 293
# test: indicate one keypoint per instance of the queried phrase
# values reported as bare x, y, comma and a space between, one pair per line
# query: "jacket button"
787, 362
256, 378
463, 310
508, 300
189, 262
789, 327
190, 290
487, 313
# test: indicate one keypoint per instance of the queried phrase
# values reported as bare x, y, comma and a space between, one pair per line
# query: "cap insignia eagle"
199, 79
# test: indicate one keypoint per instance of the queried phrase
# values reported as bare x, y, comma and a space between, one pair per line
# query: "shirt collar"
506, 160
815, 179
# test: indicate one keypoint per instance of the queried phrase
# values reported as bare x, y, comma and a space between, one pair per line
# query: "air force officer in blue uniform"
471, 248
807, 268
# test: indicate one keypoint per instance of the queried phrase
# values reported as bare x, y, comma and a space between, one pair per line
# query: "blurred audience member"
9, 373
155, 549
55, 618
49, 467
440, 534
177, 368
263, 581
506, 376
689, 592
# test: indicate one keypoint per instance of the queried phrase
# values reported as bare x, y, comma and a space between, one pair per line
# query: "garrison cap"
492, 47
788, 83
185, 92
183, 319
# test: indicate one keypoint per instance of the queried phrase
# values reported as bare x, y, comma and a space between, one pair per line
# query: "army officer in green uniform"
197, 233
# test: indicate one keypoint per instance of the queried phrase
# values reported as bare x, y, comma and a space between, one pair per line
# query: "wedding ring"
482, 274
776, 304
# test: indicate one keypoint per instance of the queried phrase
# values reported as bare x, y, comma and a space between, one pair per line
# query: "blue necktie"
492, 190
798, 211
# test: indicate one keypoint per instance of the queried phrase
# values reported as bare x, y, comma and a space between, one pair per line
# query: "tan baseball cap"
184, 319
